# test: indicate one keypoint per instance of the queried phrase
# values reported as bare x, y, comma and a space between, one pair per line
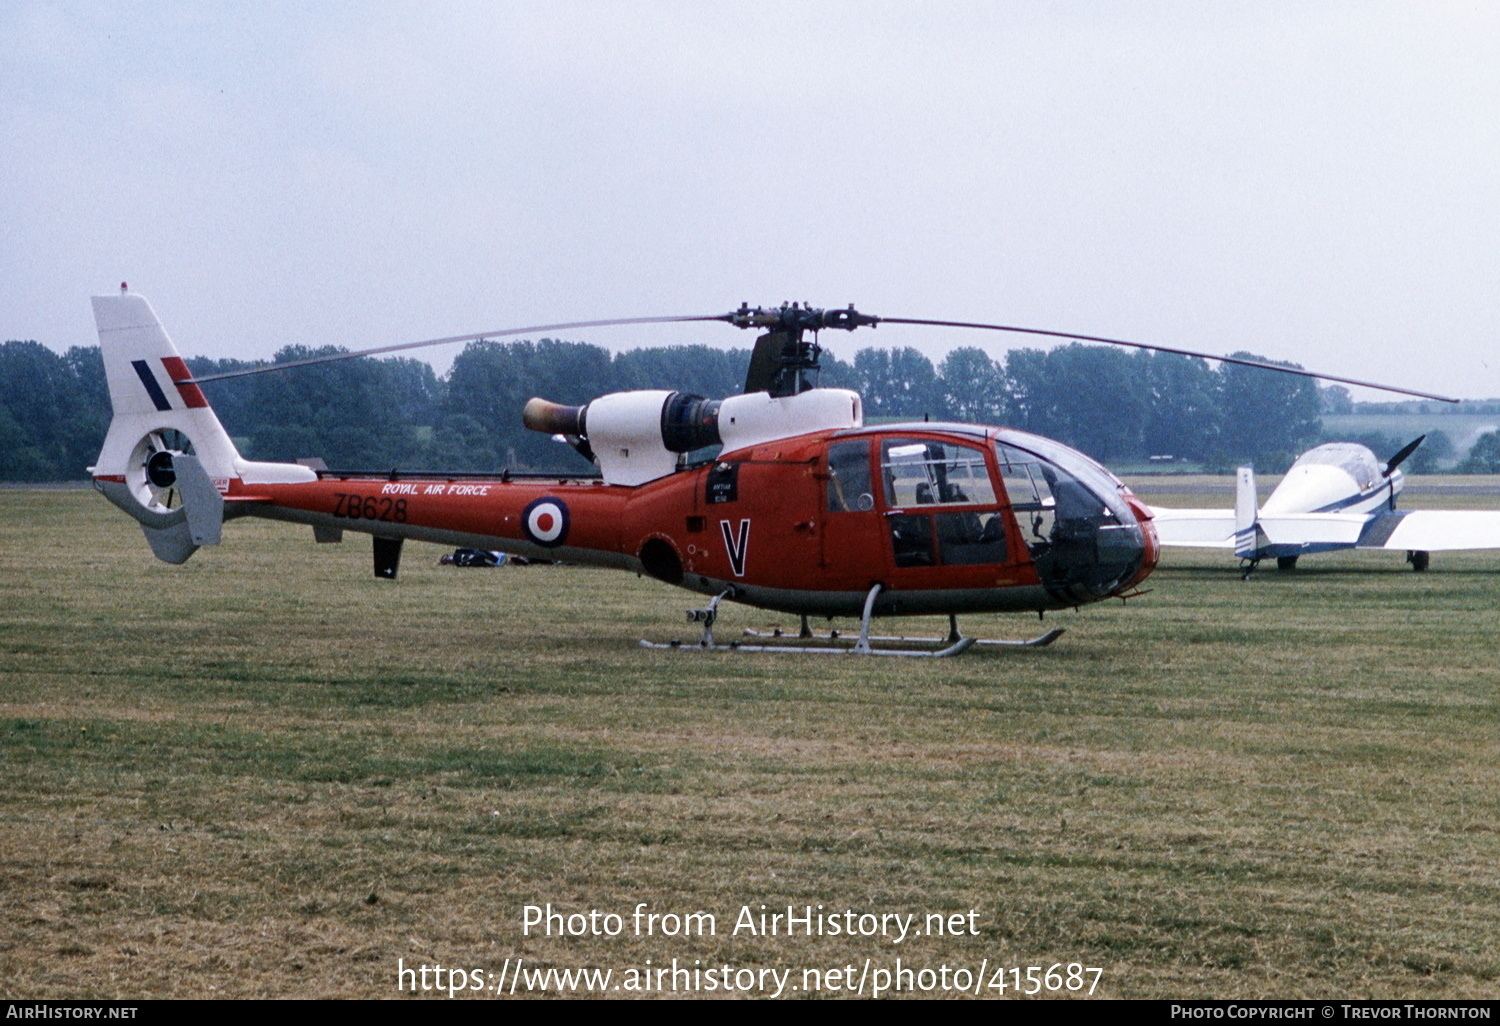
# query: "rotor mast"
783, 363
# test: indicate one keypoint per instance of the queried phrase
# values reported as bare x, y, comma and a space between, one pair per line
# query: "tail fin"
1246, 515
160, 417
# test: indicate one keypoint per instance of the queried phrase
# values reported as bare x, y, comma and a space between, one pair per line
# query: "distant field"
1462, 429
267, 774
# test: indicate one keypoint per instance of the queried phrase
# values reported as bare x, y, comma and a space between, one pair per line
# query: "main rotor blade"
1169, 349
479, 337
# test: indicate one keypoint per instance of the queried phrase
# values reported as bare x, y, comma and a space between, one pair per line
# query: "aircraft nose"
1096, 556
1147, 549
1089, 537
1119, 555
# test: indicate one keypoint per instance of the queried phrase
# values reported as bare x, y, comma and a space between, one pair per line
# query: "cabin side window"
1030, 494
921, 473
917, 473
849, 489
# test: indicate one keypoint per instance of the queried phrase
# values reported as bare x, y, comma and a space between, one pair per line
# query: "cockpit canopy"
1354, 459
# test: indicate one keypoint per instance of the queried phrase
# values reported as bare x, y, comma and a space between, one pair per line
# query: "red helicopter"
803, 509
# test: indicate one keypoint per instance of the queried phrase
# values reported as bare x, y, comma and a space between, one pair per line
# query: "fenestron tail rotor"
151, 476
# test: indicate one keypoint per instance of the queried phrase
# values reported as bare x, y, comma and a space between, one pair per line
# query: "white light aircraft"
1336, 496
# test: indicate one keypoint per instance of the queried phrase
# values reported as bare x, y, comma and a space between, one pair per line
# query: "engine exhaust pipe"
554, 418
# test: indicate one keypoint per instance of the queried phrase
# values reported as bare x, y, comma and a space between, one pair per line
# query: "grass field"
266, 773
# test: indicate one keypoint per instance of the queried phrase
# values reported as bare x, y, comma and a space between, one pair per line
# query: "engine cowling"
637, 437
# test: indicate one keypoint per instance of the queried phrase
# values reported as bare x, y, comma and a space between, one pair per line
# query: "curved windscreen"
1082, 535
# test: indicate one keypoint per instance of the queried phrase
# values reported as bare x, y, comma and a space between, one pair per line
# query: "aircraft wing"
1432, 530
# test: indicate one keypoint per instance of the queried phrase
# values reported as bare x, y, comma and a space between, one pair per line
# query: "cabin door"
853, 535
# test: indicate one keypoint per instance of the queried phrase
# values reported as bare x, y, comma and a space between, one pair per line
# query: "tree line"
1120, 407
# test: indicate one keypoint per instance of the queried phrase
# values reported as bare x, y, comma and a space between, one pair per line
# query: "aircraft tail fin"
1246, 514
165, 449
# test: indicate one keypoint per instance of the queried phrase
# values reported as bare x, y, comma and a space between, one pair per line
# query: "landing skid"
955, 643
735, 646
1041, 641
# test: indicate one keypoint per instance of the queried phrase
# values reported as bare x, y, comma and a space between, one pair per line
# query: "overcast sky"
1317, 182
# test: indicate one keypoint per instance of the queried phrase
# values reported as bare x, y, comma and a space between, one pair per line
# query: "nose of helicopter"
1150, 544
1098, 555
1089, 537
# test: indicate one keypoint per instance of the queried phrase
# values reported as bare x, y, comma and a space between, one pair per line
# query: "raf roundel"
545, 522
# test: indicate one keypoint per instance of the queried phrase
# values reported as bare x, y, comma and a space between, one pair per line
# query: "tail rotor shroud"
152, 478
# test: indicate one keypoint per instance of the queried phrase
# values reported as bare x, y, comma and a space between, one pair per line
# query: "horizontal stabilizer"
1313, 531
1216, 529
1194, 528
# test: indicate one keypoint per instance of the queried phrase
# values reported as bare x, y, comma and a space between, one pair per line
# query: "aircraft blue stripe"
143, 371
1244, 541
1334, 507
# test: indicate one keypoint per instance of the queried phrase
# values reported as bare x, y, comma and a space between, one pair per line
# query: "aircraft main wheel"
1286, 562
1419, 560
